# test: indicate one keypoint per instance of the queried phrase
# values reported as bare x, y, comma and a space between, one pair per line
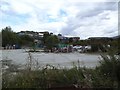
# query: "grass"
79, 77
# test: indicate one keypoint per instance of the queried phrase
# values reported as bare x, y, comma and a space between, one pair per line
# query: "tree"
26, 40
51, 41
45, 36
110, 67
116, 45
9, 37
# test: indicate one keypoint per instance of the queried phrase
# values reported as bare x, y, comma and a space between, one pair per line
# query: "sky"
96, 18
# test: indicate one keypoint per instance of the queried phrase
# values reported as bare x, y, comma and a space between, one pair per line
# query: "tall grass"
107, 74
49, 76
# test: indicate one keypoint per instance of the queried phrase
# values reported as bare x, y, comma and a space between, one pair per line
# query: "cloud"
94, 21
68, 17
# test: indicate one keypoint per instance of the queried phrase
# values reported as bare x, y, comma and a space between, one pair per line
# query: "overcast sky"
69, 17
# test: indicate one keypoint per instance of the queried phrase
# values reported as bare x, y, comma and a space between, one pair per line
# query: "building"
67, 39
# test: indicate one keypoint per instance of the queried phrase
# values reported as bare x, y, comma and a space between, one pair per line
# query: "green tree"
9, 37
115, 44
110, 67
45, 36
51, 41
26, 40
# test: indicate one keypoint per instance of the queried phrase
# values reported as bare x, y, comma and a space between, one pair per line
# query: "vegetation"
51, 41
26, 40
11, 38
106, 75
110, 68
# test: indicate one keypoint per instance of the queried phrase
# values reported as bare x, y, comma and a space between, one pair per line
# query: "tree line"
11, 38
50, 41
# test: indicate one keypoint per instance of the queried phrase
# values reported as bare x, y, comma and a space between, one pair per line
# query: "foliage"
110, 68
51, 41
26, 40
45, 36
9, 37
107, 74
115, 45
45, 78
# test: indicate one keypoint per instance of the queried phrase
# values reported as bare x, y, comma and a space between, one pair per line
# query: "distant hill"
116, 37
